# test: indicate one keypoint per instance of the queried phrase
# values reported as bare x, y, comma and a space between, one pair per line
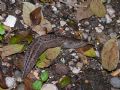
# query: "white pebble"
66, 29
12, 1
49, 87
53, 25
10, 21
110, 11
10, 82
54, 8
62, 60
62, 23
76, 70
118, 21
97, 53
108, 19
99, 28
73, 54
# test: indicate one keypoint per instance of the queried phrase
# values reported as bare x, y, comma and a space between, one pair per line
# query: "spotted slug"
40, 44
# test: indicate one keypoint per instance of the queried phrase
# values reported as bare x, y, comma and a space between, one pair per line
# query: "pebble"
71, 63
108, 19
61, 69
85, 35
20, 87
75, 70
97, 53
118, 21
62, 23
49, 87
67, 29
115, 82
2, 6
10, 21
110, 11
79, 65
17, 11
54, 9
12, 1
1, 18
62, 60
10, 82
18, 76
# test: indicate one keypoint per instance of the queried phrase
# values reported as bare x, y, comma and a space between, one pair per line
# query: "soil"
90, 77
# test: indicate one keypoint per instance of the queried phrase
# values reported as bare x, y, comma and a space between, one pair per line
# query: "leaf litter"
40, 24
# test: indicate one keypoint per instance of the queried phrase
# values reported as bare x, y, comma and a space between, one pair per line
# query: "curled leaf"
97, 8
27, 9
36, 16
110, 54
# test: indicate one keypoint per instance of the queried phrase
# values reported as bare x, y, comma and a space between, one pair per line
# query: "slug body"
40, 44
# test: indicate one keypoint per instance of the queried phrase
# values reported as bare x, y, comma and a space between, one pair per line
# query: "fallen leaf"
43, 28
116, 73
47, 57
110, 54
64, 81
27, 9
11, 49
37, 85
70, 3
2, 81
36, 16
84, 11
83, 58
2, 29
98, 8
28, 83
52, 53
21, 36
90, 53
33, 17
44, 75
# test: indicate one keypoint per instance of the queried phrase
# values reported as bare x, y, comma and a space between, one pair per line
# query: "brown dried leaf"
98, 8
2, 81
110, 54
27, 9
84, 11
36, 16
28, 83
43, 28
11, 49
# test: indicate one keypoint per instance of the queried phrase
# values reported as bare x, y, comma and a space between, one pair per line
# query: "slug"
40, 44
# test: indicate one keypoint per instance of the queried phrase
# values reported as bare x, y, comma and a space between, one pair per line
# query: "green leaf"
2, 30
90, 53
1, 38
64, 81
98, 8
44, 76
37, 85
19, 38
47, 57
15, 39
